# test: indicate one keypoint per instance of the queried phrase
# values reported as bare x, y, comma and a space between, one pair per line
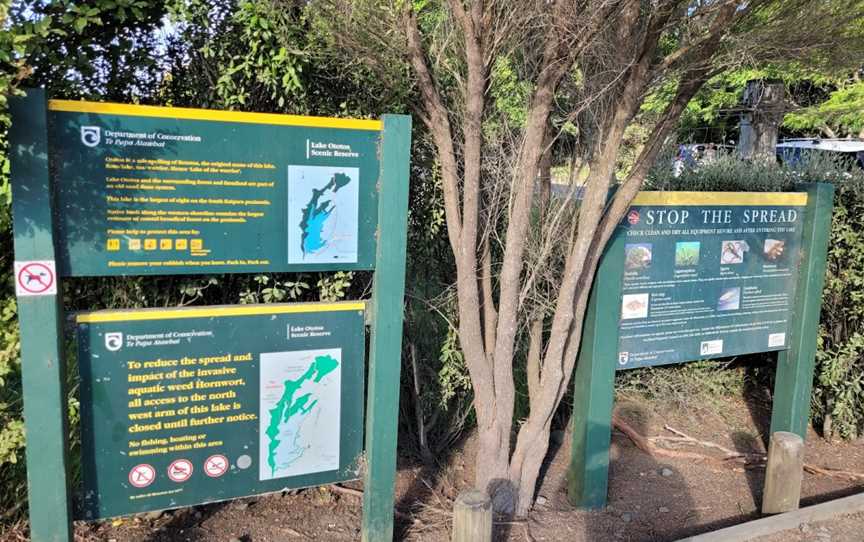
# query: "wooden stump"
783, 473
472, 517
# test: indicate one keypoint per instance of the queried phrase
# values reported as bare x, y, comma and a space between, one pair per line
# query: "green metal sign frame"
594, 378
40, 311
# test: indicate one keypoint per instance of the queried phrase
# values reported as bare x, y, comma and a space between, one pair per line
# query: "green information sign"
158, 190
194, 405
707, 275
701, 275
182, 406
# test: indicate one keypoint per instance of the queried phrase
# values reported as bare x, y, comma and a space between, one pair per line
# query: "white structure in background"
790, 150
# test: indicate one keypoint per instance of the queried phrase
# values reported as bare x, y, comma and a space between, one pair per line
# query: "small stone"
153, 515
626, 517
666, 472
241, 505
234, 539
804, 528
662, 509
541, 500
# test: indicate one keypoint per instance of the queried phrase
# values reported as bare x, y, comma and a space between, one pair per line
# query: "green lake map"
300, 404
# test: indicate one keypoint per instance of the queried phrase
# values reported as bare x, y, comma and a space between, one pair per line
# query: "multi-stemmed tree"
588, 66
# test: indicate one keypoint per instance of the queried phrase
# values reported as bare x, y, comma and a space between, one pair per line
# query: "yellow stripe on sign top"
132, 110
797, 199
209, 312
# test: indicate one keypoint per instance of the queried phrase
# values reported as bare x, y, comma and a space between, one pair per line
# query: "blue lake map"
322, 214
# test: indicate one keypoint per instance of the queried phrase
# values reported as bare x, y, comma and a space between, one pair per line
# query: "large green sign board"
700, 275
707, 275
187, 406
156, 190
182, 406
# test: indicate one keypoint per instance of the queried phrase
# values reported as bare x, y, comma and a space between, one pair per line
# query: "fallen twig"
346, 490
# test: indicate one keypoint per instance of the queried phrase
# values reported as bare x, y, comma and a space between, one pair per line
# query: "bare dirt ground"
650, 498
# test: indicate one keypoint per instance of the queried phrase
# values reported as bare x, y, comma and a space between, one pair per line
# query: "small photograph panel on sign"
687, 253
634, 306
732, 252
773, 249
638, 256
729, 299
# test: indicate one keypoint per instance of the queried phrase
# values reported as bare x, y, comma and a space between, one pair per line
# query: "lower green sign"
187, 406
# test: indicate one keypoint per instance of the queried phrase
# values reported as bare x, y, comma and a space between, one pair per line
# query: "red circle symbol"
633, 217
216, 466
35, 278
180, 470
142, 475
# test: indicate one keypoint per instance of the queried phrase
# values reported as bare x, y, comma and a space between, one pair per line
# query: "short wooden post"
783, 473
472, 517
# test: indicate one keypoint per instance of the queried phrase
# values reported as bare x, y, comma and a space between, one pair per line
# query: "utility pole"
762, 115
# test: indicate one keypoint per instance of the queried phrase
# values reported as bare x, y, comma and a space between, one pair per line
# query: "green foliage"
510, 93
334, 287
685, 386
453, 377
841, 113
839, 394
257, 49
820, 104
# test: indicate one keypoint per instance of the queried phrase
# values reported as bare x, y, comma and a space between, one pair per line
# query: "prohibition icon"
35, 278
142, 475
180, 470
216, 466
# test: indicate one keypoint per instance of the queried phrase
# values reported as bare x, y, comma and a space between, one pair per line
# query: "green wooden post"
385, 359
43, 366
794, 381
594, 384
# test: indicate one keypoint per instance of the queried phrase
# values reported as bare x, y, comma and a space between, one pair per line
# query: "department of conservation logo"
114, 341
91, 135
